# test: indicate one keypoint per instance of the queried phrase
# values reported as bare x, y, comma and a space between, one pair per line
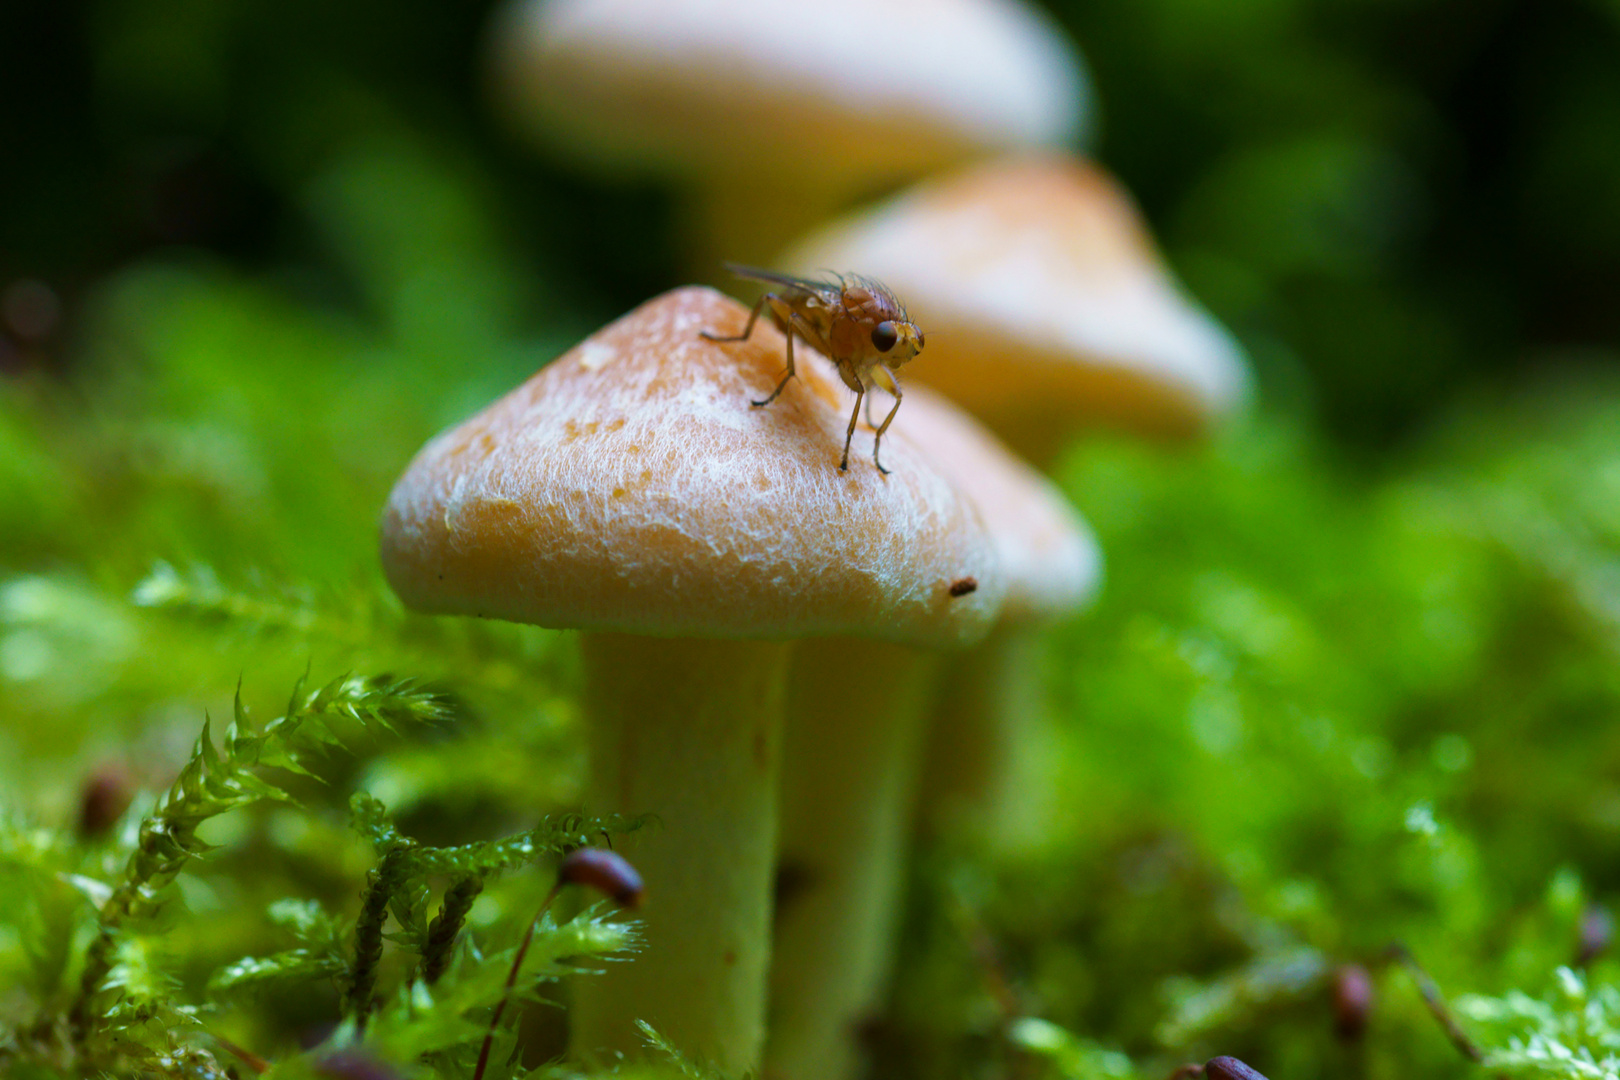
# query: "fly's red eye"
884, 335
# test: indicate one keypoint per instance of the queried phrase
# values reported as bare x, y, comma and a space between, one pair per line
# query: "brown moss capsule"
1597, 932
1230, 1068
605, 871
354, 1064
963, 586
1352, 1001
106, 795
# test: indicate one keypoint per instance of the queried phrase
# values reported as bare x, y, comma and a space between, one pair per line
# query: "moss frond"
673, 1061
452, 1015
215, 781
1571, 1033
555, 835
360, 618
199, 594
441, 933
1070, 1057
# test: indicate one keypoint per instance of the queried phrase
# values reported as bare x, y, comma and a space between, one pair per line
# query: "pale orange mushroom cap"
630, 486
1045, 302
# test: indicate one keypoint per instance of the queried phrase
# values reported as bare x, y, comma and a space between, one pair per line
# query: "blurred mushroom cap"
1044, 301
630, 486
1048, 555
853, 91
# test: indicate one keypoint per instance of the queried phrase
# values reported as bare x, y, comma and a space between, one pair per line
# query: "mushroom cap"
1048, 555
630, 486
859, 91
1044, 301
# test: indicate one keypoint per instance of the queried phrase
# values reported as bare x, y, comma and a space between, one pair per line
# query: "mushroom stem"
988, 757
850, 756
689, 730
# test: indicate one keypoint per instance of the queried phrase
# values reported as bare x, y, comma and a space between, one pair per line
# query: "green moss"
1321, 706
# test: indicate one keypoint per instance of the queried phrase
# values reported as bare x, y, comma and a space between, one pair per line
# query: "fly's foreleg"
887, 420
854, 415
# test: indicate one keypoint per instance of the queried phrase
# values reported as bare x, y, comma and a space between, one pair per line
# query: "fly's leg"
854, 415
892, 384
753, 317
786, 376
887, 420
795, 320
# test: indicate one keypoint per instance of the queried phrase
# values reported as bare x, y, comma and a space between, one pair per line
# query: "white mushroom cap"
1044, 301
860, 90
1048, 555
630, 486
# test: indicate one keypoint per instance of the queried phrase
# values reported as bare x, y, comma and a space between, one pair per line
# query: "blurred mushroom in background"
1047, 307
1048, 313
772, 115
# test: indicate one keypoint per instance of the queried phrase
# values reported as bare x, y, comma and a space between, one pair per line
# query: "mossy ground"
1319, 709
1329, 699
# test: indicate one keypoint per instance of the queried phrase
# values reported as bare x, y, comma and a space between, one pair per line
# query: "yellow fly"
855, 321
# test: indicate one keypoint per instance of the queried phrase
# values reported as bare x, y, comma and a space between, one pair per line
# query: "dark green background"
1387, 201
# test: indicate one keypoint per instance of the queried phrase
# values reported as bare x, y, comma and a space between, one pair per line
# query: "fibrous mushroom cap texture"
1039, 287
630, 486
865, 89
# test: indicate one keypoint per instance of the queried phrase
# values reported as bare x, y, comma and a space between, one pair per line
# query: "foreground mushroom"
1047, 307
853, 747
771, 113
629, 489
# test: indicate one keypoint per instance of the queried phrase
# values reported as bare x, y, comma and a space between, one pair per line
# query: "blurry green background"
1355, 672
1389, 201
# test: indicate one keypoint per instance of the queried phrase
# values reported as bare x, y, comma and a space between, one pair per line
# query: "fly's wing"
812, 304
794, 288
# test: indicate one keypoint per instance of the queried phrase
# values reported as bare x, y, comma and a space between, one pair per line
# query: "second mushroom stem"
850, 756
691, 731
988, 774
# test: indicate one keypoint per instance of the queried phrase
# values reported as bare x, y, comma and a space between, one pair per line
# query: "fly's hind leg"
753, 317
887, 420
854, 415
785, 375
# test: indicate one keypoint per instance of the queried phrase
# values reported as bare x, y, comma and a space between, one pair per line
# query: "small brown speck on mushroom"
963, 586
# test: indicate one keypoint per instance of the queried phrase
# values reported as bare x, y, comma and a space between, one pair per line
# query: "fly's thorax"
851, 342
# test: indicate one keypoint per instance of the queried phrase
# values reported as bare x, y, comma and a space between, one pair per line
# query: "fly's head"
896, 341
